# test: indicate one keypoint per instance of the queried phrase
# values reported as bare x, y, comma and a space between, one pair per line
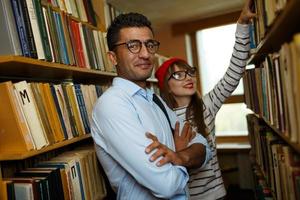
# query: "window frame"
190, 31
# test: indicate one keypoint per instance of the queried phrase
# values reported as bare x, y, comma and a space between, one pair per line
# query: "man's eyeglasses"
135, 46
181, 75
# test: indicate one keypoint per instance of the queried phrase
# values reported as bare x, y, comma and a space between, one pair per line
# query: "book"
15, 133
51, 111
21, 28
7, 191
64, 109
24, 93
28, 28
53, 176
64, 173
23, 191
43, 113
35, 29
8, 32
70, 163
42, 28
82, 108
70, 91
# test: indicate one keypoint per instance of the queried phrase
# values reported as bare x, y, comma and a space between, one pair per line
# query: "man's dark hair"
125, 21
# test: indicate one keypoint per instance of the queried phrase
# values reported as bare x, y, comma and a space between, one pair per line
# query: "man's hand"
182, 140
168, 156
247, 14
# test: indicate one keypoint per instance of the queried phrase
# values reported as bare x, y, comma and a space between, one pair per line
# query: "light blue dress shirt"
120, 119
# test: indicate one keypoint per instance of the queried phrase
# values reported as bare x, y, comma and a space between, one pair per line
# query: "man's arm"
191, 157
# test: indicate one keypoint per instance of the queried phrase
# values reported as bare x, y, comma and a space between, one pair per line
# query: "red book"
78, 43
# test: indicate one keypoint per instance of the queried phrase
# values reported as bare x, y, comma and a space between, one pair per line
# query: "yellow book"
43, 113
74, 104
58, 131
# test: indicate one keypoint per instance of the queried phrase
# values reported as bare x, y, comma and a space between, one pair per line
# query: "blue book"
82, 108
31, 43
61, 119
21, 28
61, 38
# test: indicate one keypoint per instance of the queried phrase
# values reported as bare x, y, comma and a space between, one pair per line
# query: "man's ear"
112, 57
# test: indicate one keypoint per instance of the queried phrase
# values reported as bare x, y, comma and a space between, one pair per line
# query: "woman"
177, 82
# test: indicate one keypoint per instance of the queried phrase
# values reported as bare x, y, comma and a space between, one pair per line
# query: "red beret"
161, 72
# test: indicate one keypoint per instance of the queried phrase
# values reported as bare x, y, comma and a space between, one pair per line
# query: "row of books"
262, 191
81, 9
267, 11
280, 165
40, 114
35, 29
271, 89
110, 12
72, 175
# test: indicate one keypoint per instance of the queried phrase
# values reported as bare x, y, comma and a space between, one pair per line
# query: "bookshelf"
281, 31
66, 148
272, 93
77, 63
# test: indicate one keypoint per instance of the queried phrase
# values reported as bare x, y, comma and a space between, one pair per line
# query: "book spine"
59, 111
82, 107
43, 30
75, 130
61, 38
28, 106
21, 28
24, 12
9, 32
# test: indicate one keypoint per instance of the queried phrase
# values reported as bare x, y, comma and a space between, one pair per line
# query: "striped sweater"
206, 182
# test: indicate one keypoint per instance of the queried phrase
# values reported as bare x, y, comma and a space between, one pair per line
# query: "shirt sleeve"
117, 129
197, 139
229, 82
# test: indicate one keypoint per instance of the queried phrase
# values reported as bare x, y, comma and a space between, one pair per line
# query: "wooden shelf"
12, 67
19, 67
295, 146
43, 150
285, 25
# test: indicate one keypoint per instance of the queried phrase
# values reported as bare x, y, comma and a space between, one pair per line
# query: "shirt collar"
132, 88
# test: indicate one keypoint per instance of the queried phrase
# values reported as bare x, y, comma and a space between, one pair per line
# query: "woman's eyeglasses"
135, 46
181, 75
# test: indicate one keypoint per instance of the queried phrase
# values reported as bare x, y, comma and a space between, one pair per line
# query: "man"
125, 115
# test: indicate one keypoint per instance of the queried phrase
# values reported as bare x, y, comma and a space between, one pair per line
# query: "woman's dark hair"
194, 110
125, 21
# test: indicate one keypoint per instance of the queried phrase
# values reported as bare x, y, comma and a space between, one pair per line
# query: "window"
215, 46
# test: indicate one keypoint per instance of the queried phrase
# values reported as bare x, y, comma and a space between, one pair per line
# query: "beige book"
81, 11
75, 107
98, 50
87, 101
85, 53
70, 163
63, 107
28, 104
